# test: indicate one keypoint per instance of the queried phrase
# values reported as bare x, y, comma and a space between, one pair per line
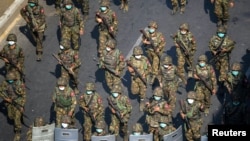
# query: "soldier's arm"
114, 21
162, 42
77, 61
100, 108
81, 101
42, 13
213, 79
74, 102
165, 110
21, 56
227, 83
128, 106
80, 20
54, 96
230, 46
24, 15
29, 134
193, 44
211, 45
121, 63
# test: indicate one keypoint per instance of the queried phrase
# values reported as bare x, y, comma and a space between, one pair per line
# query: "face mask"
183, 32
190, 101
221, 35
103, 8
65, 125
235, 73
166, 66
32, 4
115, 95
11, 43
137, 133
99, 130
10, 81
61, 88
235, 103
157, 97
89, 92
151, 30
163, 125
68, 7
138, 56
61, 47
202, 64
108, 48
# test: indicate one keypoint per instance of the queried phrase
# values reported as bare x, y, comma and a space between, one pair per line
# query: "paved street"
42, 76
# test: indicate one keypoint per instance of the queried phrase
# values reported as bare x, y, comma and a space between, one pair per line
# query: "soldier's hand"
70, 113
147, 104
99, 20
111, 29
8, 100
214, 91
182, 115
146, 42
6, 60
212, 1
117, 73
81, 31
86, 109
160, 84
231, 4
113, 110
156, 109
176, 45
21, 109
196, 77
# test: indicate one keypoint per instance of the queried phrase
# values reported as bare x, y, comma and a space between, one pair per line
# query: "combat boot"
58, 11
182, 9
175, 9
126, 8
76, 90
219, 22
152, 80
17, 135
39, 56
122, 4
225, 24
141, 104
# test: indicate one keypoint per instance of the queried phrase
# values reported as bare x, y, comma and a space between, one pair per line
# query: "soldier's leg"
189, 66
180, 67
114, 127
183, 5
59, 113
155, 67
85, 7
134, 86
218, 12
39, 46
125, 5
174, 6
189, 135
172, 97
76, 39
196, 128
115, 80
122, 4
58, 6
108, 79
207, 96
66, 33
17, 124
10, 110
87, 128
142, 94
102, 43
225, 13
125, 131
224, 68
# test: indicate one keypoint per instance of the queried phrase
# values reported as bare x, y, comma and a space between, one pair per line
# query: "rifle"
117, 112
218, 52
88, 112
137, 72
183, 108
205, 83
114, 73
105, 22
148, 38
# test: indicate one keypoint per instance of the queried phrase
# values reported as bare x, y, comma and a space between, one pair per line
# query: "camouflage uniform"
65, 101
38, 122
33, 14
91, 102
100, 127
205, 72
71, 23
113, 63
191, 110
112, 23
85, 6
58, 4
137, 129
185, 39
165, 126
221, 46
70, 59
122, 106
169, 81
13, 92
66, 122
124, 5
175, 6
13, 56
154, 47
143, 67
155, 109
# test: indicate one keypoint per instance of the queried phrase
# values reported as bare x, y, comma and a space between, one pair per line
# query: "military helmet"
191, 95
11, 37
202, 58
67, 2
100, 124
221, 29
110, 43
184, 26
116, 89
65, 43
105, 3
137, 128
33, 1
11, 76
90, 86
137, 51
236, 66
158, 91
66, 119
153, 24
39, 121
167, 60
62, 81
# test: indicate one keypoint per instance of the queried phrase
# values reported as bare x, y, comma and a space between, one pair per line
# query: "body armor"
110, 59
63, 99
69, 17
168, 75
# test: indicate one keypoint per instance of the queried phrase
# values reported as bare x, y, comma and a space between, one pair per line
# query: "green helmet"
158, 91
66, 119
100, 124
191, 95
90, 86
39, 121
11, 37
105, 3
137, 51
153, 24
33, 1
167, 60
62, 81
137, 128
10, 76
66, 2
202, 58
111, 43
116, 89
221, 29
236, 66
65, 44
184, 26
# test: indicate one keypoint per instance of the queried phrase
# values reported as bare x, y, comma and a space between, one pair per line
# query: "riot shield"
103, 138
177, 135
66, 134
204, 138
43, 133
145, 137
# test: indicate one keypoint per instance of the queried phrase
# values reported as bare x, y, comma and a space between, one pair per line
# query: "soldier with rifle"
191, 114
13, 93
139, 68
107, 23
93, 109
121, 108
13, 57
113, 64
206, 82
185, 48
70, 63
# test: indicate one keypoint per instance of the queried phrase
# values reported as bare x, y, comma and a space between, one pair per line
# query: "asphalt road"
41, 76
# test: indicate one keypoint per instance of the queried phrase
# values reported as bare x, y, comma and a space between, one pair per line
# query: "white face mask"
65, 125
183, 32
11, 43
61, 47
108, 48
137, 133
166, 66
61, 88
190, 101
89, 92
138, 56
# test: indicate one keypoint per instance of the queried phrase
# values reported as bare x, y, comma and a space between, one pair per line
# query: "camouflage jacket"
168, 75
227, 45
14, 56
187, 40
70, 58
235, 83
142, 65
71, 18
111, 20
122, 104
192, 111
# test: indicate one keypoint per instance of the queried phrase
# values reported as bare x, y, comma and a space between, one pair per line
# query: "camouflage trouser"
193, 134
138, 87
169, 90
14, 114
203, 96
181, 60
221, 9
71, 33
65, 74
154, 60
60, 112
222, 65
58, 3
38, 37
103, 38
155, 132
116, 125
175, 3
111, 79
85, 7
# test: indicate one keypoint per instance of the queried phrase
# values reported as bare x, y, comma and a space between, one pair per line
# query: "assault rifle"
105, 22
88, 112
183, 108
205, 83
137, 73
218, 52
117, 112
148, 38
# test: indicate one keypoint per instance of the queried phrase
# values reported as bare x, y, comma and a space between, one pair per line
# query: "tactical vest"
120, 103
111, 59
11, 90
169, 75
185, 39
11, 54
35, 15
156, 39
63, 98
204, 72
68, 17
67, 57
235, 81
109, 18
216, 41
93, 103
192, 109
139, 64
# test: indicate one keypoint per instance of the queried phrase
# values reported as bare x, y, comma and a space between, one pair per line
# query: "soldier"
191, 114
100, 128
38, 122
70, 63
121, 108
33, 14
155, 109
175, 5
221, 10
13, 56
85, 6
124, 5
71, 24
139, 68
206, 83
169, 81
64, 100
221, 47
154, 43
185, 47
165, 126
113, 63
91, 103
13, 93
108, 24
